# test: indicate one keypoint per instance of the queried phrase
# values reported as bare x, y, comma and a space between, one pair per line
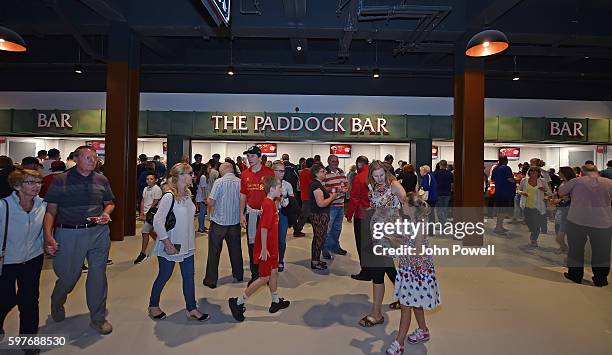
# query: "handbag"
5, 235
422, 193
170, 218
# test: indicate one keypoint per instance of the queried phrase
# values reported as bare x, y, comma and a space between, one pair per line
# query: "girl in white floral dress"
416, 285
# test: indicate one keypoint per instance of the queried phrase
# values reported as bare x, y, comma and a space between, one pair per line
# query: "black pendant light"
11, 41
486, 43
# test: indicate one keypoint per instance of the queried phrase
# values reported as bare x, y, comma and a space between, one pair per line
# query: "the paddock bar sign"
568, 128
295, 124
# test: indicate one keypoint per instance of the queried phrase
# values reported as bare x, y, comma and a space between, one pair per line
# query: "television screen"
513, 153
341, 150
268, 149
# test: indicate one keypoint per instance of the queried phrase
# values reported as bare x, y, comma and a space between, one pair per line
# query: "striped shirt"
335, 180
226, 193
78, 197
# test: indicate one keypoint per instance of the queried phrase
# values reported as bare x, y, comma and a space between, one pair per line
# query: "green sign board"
337, 127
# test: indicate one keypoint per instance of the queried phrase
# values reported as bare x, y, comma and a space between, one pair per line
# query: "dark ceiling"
562, 48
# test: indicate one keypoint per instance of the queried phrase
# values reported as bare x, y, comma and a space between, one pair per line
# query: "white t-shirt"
46, 167
286, 191
149, 194
202, 190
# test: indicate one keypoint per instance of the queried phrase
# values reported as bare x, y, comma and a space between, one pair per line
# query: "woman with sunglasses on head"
22, 214
176, 244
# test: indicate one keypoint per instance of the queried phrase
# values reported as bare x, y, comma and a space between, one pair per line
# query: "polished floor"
516, 302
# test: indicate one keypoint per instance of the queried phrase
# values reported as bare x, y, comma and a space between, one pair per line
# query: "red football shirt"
268, 220
305, 180
251, 184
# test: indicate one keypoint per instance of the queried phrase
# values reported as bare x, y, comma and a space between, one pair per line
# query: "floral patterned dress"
416, 284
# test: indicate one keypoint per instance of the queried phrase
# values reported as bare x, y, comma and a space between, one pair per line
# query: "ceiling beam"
103, 9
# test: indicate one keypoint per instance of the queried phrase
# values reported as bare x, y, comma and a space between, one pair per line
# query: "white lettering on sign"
558, 129
52, 121
331, 124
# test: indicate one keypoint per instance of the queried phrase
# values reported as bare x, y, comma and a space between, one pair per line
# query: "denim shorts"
561, 219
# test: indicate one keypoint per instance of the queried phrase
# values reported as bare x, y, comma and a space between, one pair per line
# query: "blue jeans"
332, 240
283, 224
518, 212
201, 216
442, 208
165, 272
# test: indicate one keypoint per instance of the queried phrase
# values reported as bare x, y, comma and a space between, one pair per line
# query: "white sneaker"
395, 349
418, 336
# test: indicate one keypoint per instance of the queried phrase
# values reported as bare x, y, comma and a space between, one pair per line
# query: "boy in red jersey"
265, 253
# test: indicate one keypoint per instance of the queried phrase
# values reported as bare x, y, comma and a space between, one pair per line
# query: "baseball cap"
253, 150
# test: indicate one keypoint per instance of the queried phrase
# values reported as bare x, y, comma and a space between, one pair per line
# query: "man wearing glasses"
79, 204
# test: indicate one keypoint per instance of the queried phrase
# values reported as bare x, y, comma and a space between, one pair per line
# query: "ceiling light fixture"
78, 69
376, 71
11, 41
515, 76
486, 43
230, 68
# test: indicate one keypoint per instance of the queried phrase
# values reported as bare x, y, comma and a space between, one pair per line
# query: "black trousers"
600, 240
358, 236
297, 228
19, 286
216, 235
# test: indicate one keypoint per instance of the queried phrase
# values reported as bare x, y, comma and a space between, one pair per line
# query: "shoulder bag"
170, 218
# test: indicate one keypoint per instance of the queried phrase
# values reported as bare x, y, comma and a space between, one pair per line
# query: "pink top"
591, 201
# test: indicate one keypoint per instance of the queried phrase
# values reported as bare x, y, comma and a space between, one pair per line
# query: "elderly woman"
22, 214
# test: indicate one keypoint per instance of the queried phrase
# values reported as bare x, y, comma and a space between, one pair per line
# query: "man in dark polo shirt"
79, 204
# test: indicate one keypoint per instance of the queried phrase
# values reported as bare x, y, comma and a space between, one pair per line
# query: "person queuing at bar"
6, 168
359, 201
252, 195
53, 156
416, 285
266, 251
385, 195
224, 203
23, 256
305, 180
409, 179
388, 163
176, 243
320, 199
160, 168
151, 195
589, 217
533, 194
283, 219
444, 178
41, 156
57, 167
505, 190
31, 163
79, 205
607, 172
335, 181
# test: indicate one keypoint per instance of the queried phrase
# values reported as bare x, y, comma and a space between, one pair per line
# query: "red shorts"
265, 267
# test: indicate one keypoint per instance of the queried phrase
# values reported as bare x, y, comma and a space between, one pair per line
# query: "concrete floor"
516, 302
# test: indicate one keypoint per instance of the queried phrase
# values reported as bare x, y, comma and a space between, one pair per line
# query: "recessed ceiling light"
376, 73
78, 69
299, 48
230, 70
586, 57
516, 76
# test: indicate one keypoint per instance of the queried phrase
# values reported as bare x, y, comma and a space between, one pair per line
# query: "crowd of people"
67, 206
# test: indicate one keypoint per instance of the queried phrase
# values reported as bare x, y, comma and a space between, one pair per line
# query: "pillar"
420, 153
122, 109
469, 140
178, 146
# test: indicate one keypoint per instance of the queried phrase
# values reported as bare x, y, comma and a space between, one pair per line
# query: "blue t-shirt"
504, 189
444, 178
